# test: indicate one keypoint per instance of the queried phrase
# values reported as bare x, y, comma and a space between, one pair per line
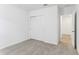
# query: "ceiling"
30, 7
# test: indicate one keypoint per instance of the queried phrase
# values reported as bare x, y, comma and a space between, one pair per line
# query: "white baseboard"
13, 43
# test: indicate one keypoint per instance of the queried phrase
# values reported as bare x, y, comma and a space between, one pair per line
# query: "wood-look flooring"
36, 47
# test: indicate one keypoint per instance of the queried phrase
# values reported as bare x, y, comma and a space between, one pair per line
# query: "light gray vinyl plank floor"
36, 47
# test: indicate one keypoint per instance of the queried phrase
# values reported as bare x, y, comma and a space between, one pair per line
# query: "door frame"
75, 29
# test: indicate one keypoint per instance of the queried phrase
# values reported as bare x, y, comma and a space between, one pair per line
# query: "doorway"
68, 29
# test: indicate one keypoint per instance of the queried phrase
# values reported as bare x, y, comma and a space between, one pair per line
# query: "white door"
73, 30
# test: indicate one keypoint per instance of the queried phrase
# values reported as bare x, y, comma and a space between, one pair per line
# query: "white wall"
66, 10
44, 24
12, 25
66, 24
